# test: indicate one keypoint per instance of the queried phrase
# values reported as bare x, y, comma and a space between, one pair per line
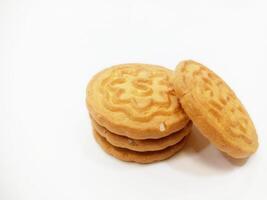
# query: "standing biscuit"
215, 109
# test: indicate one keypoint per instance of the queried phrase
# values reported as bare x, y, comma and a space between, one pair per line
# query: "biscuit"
135, 100
138, 157
215, 109
142, 145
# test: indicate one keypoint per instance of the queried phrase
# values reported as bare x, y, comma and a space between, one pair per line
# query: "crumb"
162, 127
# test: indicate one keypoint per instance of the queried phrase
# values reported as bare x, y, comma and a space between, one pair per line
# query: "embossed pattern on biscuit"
218, 102
139, 93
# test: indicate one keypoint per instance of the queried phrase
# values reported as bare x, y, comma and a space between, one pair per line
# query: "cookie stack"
142, 113
135, 113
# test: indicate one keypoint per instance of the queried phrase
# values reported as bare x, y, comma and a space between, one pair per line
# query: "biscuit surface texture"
138, 157
135, 100
215, 109
142, 145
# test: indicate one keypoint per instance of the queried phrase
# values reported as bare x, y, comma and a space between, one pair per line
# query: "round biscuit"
136, 101
215, 109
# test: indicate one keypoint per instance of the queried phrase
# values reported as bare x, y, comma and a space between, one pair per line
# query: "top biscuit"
215, 109
135, 100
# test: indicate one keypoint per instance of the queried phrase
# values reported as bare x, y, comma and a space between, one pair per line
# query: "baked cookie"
139, 157
142, 145
215, 109
135, 100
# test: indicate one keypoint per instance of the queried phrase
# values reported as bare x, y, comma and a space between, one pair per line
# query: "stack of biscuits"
135, 114
142, 113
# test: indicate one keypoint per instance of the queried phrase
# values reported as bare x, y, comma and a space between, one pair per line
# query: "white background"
50, 49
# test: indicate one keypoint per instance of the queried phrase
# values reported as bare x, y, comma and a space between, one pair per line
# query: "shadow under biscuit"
201, 158
234, 161
197, 142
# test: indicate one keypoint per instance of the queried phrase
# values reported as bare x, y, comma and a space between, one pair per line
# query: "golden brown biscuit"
215, 109
142, 145
136, 101
139, 157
